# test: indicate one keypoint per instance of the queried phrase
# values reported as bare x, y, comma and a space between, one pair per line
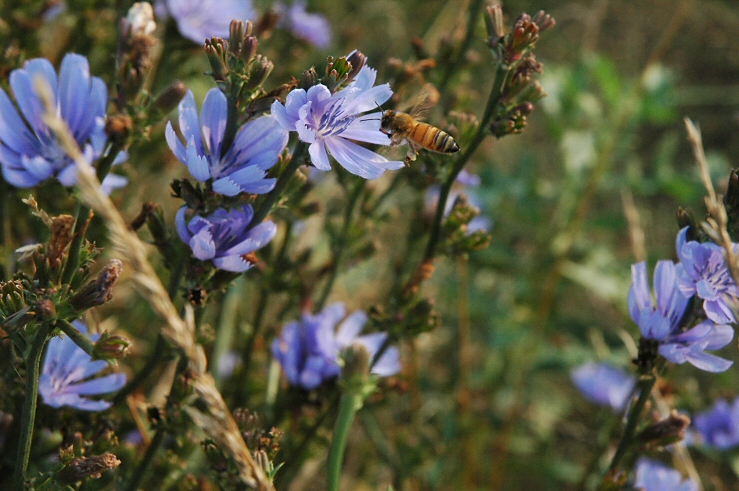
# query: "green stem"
5, 267
33, 363
156, 442
350, 403
282, 182
340, 244
645, 389
81, 216
79, 339
451, 68
104, 164
501, 74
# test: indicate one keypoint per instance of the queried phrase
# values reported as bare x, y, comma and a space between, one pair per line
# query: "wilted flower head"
655, 476
29, 150
662, 323
604, 384
242, 167
309, 349
329, 123
198, 20
224, 236
719, 425
313, 28
67, 372
703, 271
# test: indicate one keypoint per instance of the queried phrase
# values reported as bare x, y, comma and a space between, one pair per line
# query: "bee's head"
386, 121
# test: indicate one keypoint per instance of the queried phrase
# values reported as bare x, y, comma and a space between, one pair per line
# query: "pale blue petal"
318, 155
214, 116
235, 264
202, 245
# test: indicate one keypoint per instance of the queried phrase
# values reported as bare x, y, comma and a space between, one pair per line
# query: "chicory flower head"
719, 425
331, 123
29, 151
67, 372
655, 476
312, 28
662, 323
309, 349
703, 271
224, 236
604, 384
199, 20
242, 167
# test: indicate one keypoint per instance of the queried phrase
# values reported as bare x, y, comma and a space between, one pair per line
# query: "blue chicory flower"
662, 323
312, 28
329, 123
29, 151
655, 476
224, 236
198, 20
67, 372
604, 384
719, 425
308, 350
242, 167
703, 271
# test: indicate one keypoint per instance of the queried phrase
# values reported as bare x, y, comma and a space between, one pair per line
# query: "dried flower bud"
45, 309
99, 290
171, 96
110, 347
81, 468
494, 25
119, 127
62, 233
140, 19
665, 432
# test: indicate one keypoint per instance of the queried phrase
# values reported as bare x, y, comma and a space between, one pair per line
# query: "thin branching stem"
282, 182
453, 67
33, 366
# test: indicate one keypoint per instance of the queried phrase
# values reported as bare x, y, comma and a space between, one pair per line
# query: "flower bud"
119, 127
236, 36
357, 59
544, 21
249, 50
665, 432
494, 25
356, 363
110, 347
309, 79
215, 49
62, 233
99, 290
45, 309
171, 96
259, 72
685, 218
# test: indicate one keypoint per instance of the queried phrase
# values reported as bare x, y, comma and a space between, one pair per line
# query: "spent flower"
309, 349
29, 151
242, 168
224, 236
719, 425
661, 323
67, 372
331, 123
604, 384
703, 271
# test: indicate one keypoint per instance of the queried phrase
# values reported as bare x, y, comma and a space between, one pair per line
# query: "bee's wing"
427, 98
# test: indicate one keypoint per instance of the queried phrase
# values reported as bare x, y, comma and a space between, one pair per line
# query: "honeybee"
401, 127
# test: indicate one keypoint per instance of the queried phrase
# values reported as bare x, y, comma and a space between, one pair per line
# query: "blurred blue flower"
604, 384
199, 20
655, 476
464, 180
719, 426
312, 28
66, 375
703, 271
308, 350
662, 323
330, 122
242, 167
29, 150
224, 237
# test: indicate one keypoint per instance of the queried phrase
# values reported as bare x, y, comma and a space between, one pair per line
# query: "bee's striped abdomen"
432, 138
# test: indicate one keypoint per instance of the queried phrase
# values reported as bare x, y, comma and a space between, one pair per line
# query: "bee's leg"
411, 154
